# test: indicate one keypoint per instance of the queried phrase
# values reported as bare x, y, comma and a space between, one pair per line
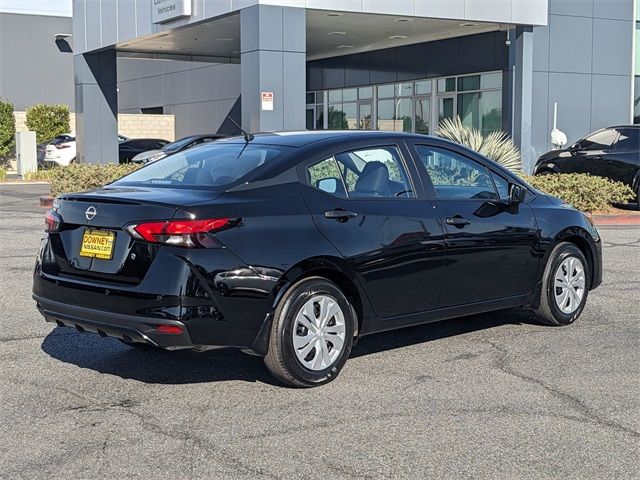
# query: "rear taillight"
181, 233
52, 222
60, 146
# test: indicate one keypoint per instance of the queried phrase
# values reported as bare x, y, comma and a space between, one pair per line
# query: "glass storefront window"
636, 100
469, 83
385, 91
489, 81
365, 93
482, 110
413, 106
350, 94
404, 89
447, 85
335, 96
423, 87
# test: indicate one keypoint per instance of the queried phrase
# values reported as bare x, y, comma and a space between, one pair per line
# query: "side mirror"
329, 185
517, 194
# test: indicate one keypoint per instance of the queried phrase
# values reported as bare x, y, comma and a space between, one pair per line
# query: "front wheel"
565, 286
311, 334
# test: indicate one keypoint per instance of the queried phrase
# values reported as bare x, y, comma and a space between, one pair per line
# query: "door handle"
340, 215
458, 221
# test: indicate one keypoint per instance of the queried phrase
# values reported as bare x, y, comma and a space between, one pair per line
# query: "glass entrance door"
446, 107
421, 115
364, 116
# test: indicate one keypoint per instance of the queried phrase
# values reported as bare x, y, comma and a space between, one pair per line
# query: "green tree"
7, 129
48, 121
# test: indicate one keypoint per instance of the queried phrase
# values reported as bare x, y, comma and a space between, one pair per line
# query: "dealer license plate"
97, 244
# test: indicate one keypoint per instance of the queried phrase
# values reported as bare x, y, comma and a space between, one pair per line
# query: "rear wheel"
565, 286
311, 335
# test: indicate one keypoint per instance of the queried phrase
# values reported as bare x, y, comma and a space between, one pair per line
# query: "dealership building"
353, 64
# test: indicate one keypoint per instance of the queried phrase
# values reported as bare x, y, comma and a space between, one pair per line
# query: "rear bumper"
131, 328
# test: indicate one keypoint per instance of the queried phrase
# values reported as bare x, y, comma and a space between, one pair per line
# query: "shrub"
85, 176
3, 174
48, 121
42, 174
497, 145
7, 129
583, 191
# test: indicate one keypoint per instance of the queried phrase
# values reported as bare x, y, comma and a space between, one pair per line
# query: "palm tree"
496, 145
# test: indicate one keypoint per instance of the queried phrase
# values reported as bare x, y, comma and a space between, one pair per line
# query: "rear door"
589, 154
365, 201
623, 162
491, 249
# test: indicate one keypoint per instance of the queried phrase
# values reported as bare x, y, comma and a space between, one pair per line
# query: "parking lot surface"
488, 396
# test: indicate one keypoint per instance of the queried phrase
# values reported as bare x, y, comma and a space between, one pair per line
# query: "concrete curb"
616, 220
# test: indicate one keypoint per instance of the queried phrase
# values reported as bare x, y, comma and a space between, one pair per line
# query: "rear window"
215, 165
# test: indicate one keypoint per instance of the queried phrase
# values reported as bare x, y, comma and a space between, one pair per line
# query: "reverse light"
52, 222
60, 146
181, 233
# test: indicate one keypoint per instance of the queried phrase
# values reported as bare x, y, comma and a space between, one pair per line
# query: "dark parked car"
612, 152
132, 147
175, 147
291, 246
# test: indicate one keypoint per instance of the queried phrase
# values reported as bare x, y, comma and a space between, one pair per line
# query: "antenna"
247, 137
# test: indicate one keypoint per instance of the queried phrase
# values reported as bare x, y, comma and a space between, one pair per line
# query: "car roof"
307, 137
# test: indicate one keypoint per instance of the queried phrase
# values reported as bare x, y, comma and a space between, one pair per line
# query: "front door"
364, 202
491, 249
364, 116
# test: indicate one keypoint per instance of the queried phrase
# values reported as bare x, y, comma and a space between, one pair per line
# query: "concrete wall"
32, 69
583, 61
102, 23
199, 95
129, 125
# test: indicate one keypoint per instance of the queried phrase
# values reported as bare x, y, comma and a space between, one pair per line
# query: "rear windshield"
211, 165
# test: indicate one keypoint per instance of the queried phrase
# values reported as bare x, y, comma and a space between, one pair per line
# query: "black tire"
548, 312
281, 359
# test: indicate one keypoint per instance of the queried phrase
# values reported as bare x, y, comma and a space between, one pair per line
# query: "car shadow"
108, 355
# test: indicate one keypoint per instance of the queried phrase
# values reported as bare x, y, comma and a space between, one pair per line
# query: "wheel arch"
577, 236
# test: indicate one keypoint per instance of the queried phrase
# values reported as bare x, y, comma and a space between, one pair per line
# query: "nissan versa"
293, 245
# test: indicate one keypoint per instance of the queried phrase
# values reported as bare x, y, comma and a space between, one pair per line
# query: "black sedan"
175, 147
612, 152
291, 246
129, 148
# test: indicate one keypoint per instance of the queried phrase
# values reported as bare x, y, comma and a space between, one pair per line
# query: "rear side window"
629, 139
326, 176
218, 165
601, 140
456, 177
375, 172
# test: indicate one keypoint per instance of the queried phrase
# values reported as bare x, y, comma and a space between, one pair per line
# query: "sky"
39, 7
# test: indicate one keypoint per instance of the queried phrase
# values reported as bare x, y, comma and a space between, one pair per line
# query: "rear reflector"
172, 329
181, 233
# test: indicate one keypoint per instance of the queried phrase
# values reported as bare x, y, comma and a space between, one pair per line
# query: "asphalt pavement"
489, 396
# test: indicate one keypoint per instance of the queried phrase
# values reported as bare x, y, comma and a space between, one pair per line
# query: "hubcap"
569, 285
318, 333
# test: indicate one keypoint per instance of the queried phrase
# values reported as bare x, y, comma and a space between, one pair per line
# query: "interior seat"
373, 181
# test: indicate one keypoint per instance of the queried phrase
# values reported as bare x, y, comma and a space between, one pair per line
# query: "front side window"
217, 165
365, 173
456, 177
601, 140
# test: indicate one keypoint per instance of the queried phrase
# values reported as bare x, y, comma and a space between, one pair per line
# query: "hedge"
585, 192
7, 129
79, 177
48, 121
3, 174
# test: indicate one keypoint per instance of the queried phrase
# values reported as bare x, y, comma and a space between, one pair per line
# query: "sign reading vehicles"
165, 10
